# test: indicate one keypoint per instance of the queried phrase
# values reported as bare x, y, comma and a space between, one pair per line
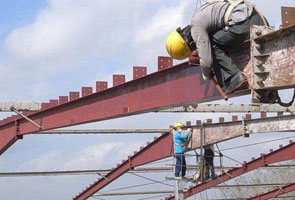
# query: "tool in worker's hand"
219, 89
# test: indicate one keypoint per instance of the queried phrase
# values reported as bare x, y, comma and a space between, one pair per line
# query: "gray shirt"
209, 19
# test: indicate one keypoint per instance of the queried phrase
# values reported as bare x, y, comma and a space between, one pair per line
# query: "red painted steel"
118, 80
234, 118
171, 87
164, 62
160, 148
282, 154
86, 91
53, 103
221, 119
139, 72
63, 99
275, 193
45, 106
74, 96
188, 123
101, 85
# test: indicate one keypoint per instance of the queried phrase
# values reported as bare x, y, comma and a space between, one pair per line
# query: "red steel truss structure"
173, 86
282, 154
275, 193
169, 87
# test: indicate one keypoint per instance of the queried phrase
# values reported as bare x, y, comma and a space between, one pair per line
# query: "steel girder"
173, 86
160, 148
275, 193
282, 154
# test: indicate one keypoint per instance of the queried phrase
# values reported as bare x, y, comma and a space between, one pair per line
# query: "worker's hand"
207, 73
189, 130
194, 58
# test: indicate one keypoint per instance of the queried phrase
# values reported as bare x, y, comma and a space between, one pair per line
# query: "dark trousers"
221, 40
180, 167
209, 164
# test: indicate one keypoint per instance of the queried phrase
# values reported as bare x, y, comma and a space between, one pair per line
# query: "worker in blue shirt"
180, 140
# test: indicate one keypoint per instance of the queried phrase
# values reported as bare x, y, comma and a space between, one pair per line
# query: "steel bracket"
272, 58
25, 117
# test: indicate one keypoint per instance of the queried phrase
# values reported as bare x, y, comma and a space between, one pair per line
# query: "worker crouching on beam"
216, 27
180, 138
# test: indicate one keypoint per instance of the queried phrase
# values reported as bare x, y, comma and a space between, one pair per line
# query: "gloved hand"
194, 58
189, 130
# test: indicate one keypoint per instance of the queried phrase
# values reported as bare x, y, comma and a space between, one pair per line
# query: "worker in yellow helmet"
180, 137
215, 27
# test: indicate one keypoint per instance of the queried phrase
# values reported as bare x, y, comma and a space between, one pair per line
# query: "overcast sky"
51, 47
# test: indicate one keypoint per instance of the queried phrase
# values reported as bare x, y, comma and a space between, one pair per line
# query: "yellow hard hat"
177, 47
178, 124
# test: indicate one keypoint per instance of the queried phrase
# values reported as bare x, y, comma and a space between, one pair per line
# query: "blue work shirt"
179, 138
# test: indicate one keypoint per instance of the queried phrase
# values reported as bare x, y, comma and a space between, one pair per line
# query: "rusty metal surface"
288, 16
275, 63
228, 108
230, 130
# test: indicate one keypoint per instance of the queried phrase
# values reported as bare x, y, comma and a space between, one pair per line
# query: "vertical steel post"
179, 190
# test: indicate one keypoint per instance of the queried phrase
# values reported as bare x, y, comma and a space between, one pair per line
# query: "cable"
133, 186
257, 143
152, 180
153, 197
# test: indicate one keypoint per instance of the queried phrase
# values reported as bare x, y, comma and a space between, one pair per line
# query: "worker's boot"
237, 82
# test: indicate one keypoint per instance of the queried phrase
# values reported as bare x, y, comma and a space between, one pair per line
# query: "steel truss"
272, 62
162, 147
282, 154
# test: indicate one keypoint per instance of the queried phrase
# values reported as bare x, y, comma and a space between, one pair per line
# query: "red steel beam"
160, 148
274, 193
173, 86
282, 154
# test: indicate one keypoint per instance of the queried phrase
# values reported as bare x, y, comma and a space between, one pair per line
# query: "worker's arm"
200, 35
182, 137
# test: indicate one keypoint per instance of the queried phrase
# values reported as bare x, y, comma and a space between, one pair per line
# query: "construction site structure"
271, 56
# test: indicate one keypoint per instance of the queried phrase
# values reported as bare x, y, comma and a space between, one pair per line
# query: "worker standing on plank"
216, 27
209, 162
180, 139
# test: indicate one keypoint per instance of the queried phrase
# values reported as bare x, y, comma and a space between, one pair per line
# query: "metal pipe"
105, 131
137, 170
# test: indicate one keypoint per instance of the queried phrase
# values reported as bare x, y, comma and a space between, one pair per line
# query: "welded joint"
244, 165
130, 163
17, 130
265, 163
